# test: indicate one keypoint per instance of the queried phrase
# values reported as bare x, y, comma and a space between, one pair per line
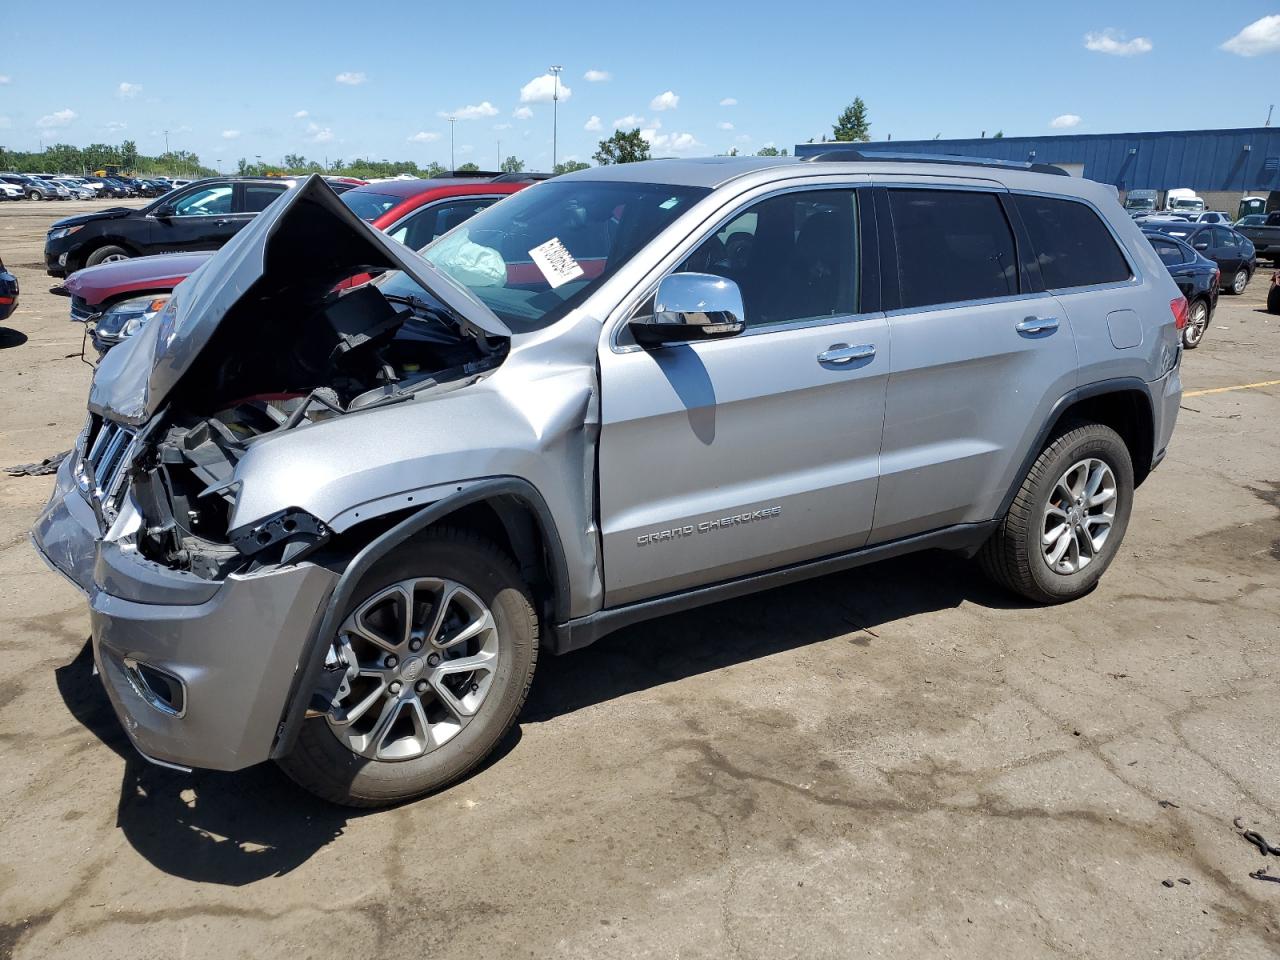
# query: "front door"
201, 218
724, 458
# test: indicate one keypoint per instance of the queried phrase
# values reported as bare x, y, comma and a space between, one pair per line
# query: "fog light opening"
162, 690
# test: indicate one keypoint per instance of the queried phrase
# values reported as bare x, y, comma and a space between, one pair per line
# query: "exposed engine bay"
259, 375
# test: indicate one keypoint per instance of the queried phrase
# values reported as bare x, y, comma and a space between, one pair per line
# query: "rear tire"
107, 254
418, 751
1239, 280
1019, 555
1197, 323
1273, 299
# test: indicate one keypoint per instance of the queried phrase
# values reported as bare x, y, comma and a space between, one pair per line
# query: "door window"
423, 226
205, 202
1222, 237
794, 256
1169, 253
258, 196
1073, 246
953, 245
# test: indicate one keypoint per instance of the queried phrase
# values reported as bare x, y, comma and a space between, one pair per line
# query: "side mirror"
691, 307
1202, 245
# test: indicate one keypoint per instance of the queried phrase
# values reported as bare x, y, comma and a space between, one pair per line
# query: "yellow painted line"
1243, 386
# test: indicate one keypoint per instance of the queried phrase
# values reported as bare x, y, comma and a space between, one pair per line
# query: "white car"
10, 191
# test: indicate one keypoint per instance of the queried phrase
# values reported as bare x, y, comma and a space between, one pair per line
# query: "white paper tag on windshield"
556, 263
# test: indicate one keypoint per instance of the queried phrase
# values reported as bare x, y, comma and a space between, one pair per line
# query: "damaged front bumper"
199, 671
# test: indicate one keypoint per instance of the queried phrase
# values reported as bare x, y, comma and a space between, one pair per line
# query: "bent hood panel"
298, 248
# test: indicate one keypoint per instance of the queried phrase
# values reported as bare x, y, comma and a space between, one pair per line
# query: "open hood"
295, 251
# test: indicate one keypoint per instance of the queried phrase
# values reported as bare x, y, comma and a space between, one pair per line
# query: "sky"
331, 80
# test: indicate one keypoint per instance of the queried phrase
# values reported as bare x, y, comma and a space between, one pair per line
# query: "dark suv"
202, 216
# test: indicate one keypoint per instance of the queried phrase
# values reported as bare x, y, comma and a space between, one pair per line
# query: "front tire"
107, 254
1068, 518
439, 647
1197, 324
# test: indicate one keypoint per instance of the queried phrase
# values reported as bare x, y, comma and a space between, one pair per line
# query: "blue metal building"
1206, 160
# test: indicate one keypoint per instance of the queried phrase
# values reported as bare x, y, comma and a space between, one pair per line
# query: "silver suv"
335, 525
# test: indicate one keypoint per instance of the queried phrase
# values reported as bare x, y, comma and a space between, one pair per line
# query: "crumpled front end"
198, 670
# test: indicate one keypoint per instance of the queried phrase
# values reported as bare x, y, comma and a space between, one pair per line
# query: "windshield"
1139, 203
369, 206
539, 253
1188, 204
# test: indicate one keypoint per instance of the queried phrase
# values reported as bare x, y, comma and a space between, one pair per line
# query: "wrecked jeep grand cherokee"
336, 528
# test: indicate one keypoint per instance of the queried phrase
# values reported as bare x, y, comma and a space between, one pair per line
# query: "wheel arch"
83, 254
1122, 404
509, 510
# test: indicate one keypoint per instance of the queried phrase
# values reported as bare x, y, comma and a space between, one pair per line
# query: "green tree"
129, 155
622, 148
998, 135
512, 165
294, 161
852, 124
568, 166
772, 151
468, 168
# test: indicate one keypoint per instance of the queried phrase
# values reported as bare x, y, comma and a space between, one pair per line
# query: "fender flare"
1101, 387
312, 661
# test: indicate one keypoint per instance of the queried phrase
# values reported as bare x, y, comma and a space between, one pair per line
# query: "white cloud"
5, 123
319, 134
728, 102
593, 124
424, 136
725, 125
632, 120
230, 134
5, 78
674, 142
541, 90
502, 126
1064, 121
59, 118
665, 101
127, 90
597, 76
1261, 36
472, 111
302, 114
351, 78
114, 126
522, 113
743, 138
1113, 42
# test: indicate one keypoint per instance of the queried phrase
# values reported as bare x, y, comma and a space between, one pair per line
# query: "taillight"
1180, 311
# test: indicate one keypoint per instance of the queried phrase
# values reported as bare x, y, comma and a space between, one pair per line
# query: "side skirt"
964, 538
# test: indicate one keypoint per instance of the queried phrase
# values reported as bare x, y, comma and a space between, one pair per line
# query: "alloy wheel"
1197, 323
114, 258
1078, 517
420, 657
1240, 281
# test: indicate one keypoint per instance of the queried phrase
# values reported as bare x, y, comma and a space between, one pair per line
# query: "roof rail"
521, 177
885, 156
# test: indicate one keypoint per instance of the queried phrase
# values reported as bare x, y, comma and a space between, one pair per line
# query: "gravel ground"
895, 761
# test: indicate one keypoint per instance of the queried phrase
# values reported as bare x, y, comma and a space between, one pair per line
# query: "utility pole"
166, 141
453, 166
555, 109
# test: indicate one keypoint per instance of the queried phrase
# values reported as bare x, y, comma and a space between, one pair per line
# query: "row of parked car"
59, 186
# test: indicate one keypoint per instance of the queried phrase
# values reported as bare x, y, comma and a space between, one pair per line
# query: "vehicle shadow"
736, 631
237, 828
11, 338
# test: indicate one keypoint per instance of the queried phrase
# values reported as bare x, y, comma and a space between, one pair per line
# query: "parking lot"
895, 761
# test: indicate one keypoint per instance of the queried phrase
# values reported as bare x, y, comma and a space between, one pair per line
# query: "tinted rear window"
953, 245
1073, 246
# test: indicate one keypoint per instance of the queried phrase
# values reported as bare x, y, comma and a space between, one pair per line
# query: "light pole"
555, 109
452, 164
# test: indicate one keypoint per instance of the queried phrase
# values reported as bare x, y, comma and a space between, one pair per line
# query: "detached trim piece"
312, 661
963, 538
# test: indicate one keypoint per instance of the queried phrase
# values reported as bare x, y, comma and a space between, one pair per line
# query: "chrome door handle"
843, 353
1037, 325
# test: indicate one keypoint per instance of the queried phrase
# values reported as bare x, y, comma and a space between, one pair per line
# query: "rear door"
980, 354
720, 459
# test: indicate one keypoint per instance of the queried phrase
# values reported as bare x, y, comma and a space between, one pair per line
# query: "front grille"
101, 474
80, 310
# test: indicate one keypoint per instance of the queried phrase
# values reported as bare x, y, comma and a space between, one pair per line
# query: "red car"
120, 297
